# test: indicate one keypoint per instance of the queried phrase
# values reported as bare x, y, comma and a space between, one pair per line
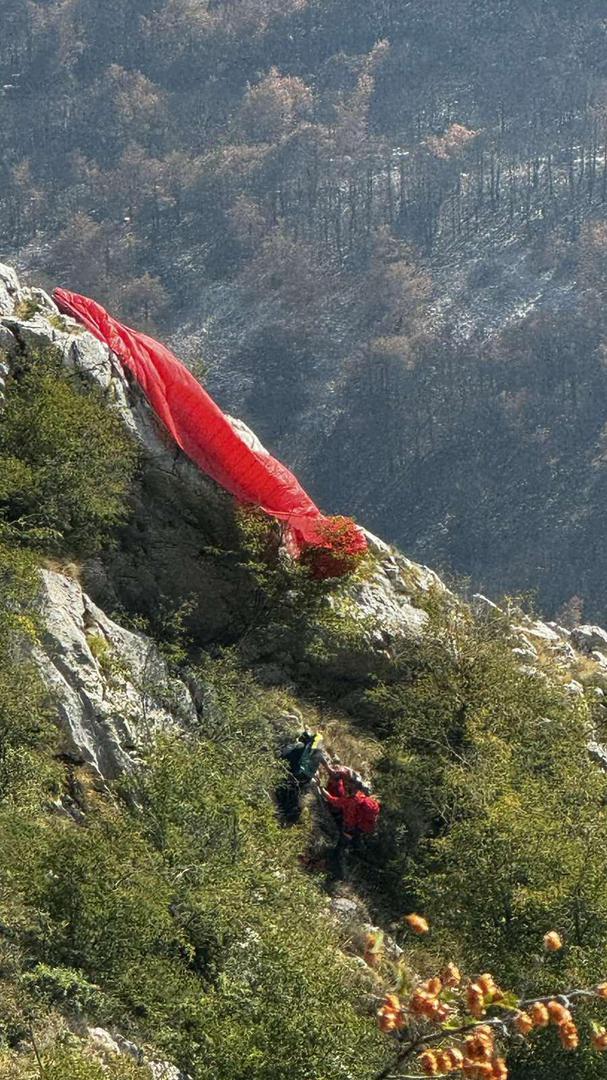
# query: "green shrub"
65, 460
70, 1063
26, 730
61, 986
313, 625
186, 906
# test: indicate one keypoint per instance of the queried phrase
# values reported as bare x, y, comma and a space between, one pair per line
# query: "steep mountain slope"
151, 906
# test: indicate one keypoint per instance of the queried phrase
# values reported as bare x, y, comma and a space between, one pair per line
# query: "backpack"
368, 811
309, 760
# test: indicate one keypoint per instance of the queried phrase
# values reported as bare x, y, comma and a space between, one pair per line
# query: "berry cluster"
473, 1012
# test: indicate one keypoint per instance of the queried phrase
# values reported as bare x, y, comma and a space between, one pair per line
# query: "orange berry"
479, 1045
417, 924
602, 990
476, 1052
442, 1012
523, 1023
443, 1061
417, 1000
475, 1000
392, 1002
485, 1031
451, 975
391, 1016
558, 1013
456, 1058
386, 1022
500, 1069
539, 1014
420, 1001
476, 1070
568, 1034
424, 1004
552, 942
428, 1062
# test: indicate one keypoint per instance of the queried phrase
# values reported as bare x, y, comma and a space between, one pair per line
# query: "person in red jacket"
358, 813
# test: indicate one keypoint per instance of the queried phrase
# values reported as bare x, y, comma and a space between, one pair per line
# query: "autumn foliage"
453, 1024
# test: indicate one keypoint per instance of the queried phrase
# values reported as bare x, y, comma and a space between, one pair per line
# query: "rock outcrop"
113, 686
589, 639
180, 543
113, 689
108, 1046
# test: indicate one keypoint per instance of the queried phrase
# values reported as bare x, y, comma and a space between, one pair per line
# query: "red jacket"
359, 811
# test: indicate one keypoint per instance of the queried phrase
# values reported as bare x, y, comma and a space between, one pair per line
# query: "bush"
61, 986
494, 820
65, 460
186, 906
26, 730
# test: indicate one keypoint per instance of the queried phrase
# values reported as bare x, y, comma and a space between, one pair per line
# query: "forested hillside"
379, 226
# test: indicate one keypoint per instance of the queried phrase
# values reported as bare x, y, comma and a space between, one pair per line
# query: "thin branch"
503, 1020
41, 1068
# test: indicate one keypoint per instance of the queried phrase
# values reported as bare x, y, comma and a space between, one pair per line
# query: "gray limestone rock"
537, 629
113, 688
574, 688
9, 289
116, 1045
483, 606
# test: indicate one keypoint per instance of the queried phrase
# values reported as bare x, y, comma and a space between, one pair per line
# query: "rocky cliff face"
112, 684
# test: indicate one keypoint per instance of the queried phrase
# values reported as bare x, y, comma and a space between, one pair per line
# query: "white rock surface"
538, 630
108, 1044
482, 605
344, 908
9, 289
574, 688
113, 687
393, 612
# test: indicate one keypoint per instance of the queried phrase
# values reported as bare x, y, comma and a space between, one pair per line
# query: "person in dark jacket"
303, 759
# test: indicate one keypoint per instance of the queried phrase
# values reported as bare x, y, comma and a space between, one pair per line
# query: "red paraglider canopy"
330, 545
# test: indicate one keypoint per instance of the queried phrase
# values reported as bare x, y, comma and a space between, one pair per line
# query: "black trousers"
288, 797
341, 854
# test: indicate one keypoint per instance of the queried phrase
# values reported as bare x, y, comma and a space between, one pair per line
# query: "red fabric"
359, 811
204, 433
368, 811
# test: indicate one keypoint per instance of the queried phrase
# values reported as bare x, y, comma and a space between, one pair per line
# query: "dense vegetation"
391, 218
176, 910
66, 462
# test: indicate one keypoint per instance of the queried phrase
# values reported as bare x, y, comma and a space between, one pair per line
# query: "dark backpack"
308, 762
304, 759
